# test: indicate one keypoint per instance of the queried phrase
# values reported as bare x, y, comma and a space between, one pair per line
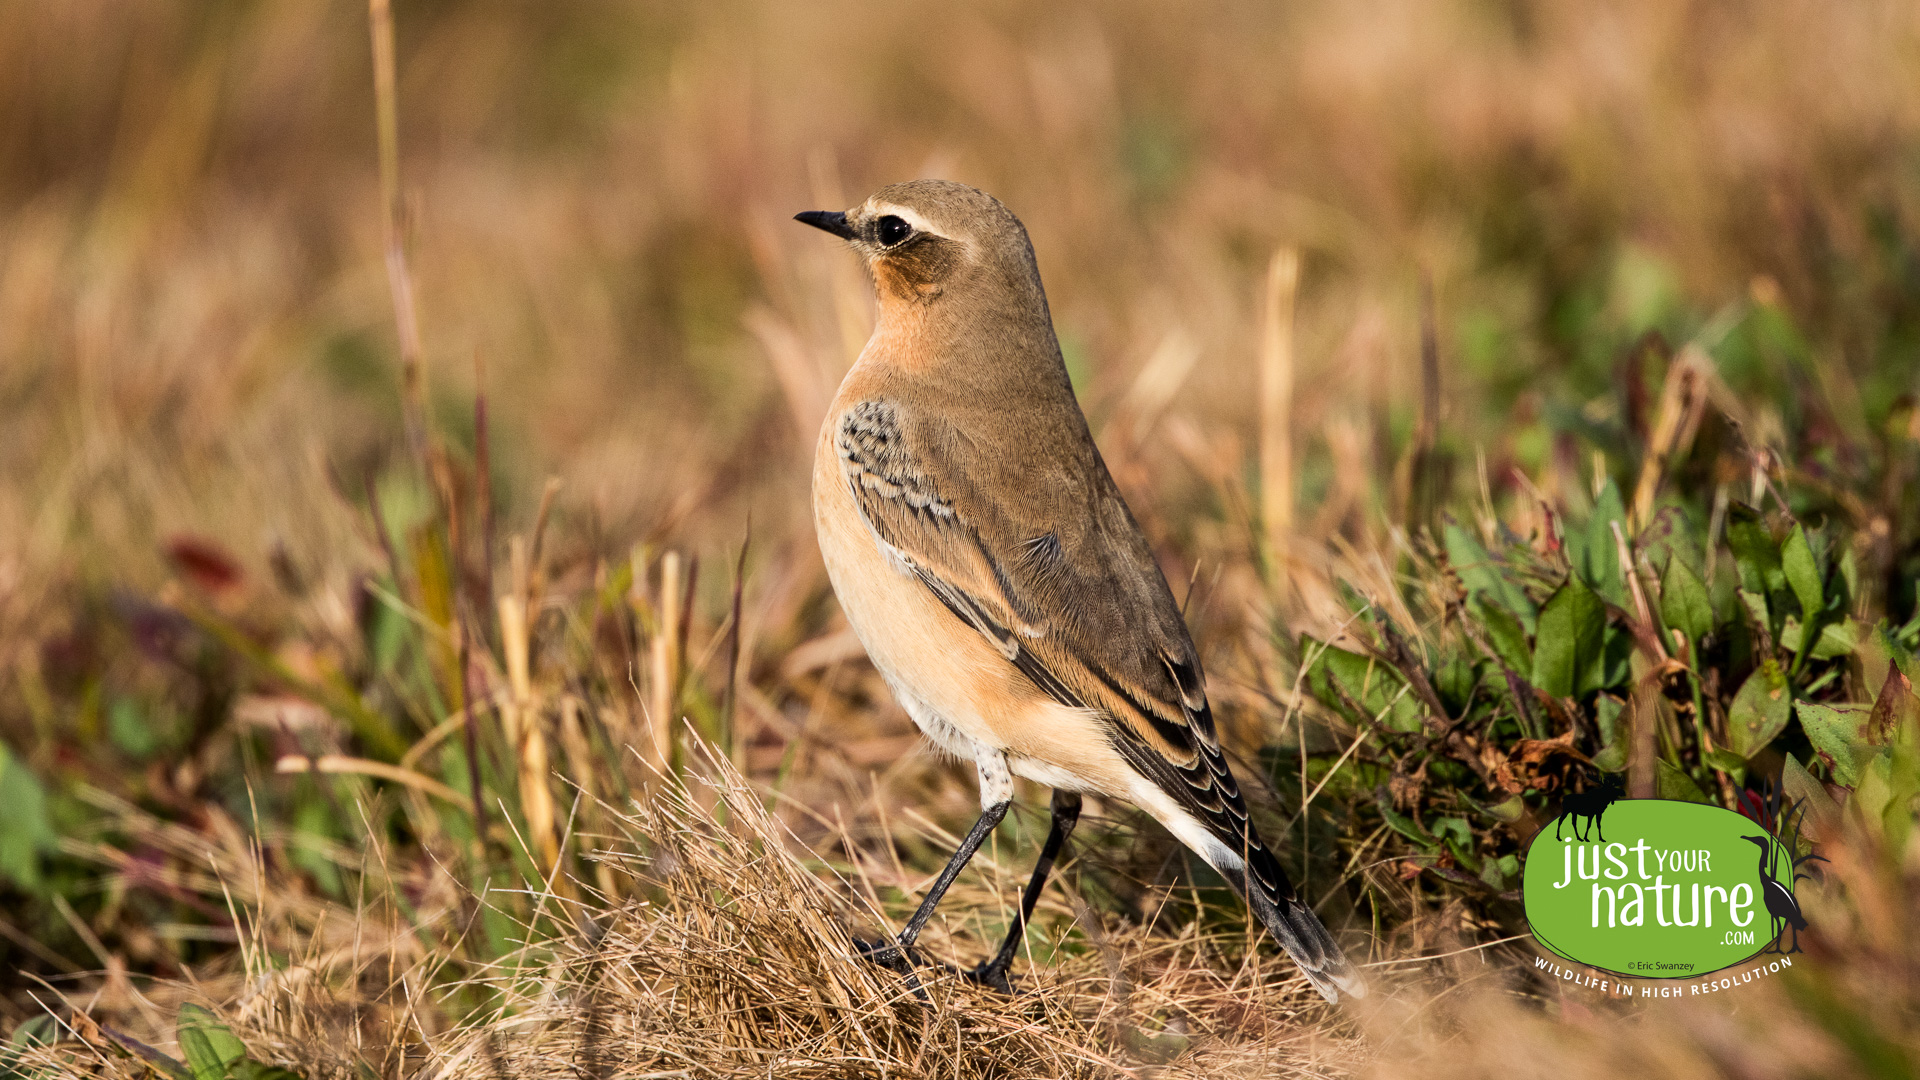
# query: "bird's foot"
889, 955
991, 975
904, 960
900, 959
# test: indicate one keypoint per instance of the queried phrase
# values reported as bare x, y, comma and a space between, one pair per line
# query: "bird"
1781, 905
983, 555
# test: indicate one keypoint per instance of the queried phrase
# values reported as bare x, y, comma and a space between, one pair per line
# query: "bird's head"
1760, 840
929, 240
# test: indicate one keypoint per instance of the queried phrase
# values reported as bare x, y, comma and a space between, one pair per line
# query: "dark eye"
892, 230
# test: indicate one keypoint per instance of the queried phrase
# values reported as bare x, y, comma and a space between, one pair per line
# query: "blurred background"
219, 547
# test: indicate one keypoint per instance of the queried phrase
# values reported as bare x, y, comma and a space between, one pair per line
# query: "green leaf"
1456, 830
1408, 827
1726, 761
1567, 654
1799, 784
1611, 758
1838, 734
1760, 710
1505, 634
1455, 681
1340, 679
1674, 784
1684, 603
1836, 638
35, 1032
26, 832
1754, 551
256, 1070
1756, 606
1510, 810
1601, 555
1803, 575
209, 1045
1480, 573
1850, 572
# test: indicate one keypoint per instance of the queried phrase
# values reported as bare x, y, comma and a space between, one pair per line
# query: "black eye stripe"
890, 230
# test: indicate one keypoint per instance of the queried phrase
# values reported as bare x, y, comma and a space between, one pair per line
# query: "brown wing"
1069, 593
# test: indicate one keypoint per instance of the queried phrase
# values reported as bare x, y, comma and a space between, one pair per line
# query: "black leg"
1066, 812
895, 956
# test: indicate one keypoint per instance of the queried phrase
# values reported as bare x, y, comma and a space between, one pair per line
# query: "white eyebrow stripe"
919, 223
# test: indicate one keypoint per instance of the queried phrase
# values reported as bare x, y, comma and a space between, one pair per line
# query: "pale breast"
957, 687
937, 668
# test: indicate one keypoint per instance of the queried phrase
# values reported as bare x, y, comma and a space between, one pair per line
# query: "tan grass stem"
340, 764
666, 660
1276, 413
399, 279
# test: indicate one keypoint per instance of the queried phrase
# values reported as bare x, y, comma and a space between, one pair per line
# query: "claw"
990, 975
894, 958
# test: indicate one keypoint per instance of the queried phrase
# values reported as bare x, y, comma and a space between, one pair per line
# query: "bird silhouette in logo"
1780, 836
1781, 906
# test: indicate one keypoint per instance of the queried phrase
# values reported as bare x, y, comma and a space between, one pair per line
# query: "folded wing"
1069, 593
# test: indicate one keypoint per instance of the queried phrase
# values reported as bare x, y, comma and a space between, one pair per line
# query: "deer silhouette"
1587, 806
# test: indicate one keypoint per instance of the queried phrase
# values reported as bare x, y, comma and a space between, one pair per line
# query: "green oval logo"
1657, 889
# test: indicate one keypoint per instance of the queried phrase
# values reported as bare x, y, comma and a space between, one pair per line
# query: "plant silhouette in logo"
1780, 840
1588, 806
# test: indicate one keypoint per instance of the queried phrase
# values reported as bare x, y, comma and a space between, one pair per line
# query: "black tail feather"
1298, 930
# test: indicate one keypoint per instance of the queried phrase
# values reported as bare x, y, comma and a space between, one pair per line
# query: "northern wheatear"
994, 573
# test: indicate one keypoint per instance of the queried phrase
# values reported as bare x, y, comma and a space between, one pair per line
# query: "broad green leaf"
1601, 554
1727, 762
1836, 638
1799, 784
1493, 873
1760, 710
1675, 784
1611, 758
257, 1070
1408, 827
35, 1032
1567, 652
1607, 711
1505, 634
1838, 734
1896, 711
1337, 678
1509, 810
209, 1045
1616, 658
1454, 681
25, 830
1684, 603
1754, 551
1480, 573
1456, 831
1803, 575
1873, 795
1756, 606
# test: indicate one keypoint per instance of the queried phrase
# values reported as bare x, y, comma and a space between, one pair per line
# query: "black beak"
832, 221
